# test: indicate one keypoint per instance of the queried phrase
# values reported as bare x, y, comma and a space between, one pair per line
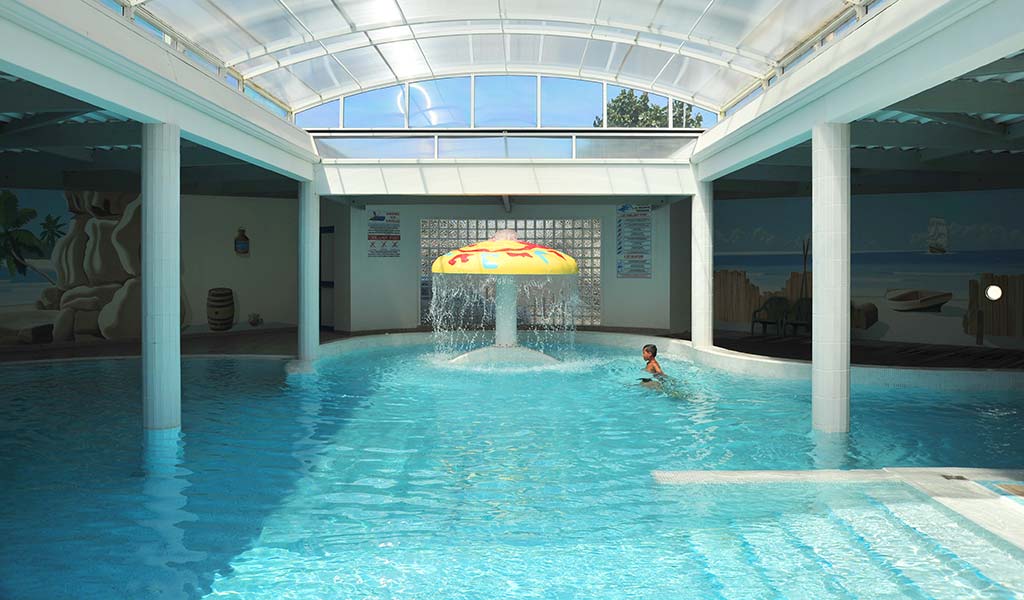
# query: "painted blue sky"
988, 220
46, 202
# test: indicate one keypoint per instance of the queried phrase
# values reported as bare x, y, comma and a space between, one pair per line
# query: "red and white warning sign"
383, 234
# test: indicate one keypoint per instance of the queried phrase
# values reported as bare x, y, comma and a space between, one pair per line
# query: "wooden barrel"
220, 309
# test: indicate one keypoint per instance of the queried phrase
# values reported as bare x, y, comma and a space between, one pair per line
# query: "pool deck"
955, 488
283, 342
876, 353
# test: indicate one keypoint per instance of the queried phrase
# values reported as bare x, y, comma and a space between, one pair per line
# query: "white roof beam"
77, 135
25, 97
1005, 66
1015, 132
927, 135
878, 159
967, 96
966, 122
934, 154
41, 120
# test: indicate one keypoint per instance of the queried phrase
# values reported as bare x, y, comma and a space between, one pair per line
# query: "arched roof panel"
724, 45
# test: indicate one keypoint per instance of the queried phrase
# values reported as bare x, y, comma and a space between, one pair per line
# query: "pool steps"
992, 562
733, 562
873, 561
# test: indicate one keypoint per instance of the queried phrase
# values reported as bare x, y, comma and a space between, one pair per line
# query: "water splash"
462, 311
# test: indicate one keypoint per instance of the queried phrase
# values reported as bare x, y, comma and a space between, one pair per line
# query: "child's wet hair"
652, 349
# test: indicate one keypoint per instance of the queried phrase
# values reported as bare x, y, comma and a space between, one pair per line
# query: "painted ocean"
18, 290
872, 273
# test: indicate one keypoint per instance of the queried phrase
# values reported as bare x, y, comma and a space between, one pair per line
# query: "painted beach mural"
71, 266
920, 265
70, 273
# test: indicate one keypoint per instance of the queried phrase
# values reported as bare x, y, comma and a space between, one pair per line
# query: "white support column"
161, 276
830, 252
702, 267
309, 272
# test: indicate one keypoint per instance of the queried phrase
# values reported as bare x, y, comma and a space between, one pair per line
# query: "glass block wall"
579, 238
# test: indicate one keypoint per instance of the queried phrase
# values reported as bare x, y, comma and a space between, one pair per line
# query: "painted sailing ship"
938, 236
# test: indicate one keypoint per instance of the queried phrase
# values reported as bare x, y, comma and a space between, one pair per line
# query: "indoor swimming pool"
393, 474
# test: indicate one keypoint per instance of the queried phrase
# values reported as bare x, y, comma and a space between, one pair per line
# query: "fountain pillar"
505, 323
505, 258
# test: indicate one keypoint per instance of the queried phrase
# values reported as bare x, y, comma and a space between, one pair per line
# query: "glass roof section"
307, 52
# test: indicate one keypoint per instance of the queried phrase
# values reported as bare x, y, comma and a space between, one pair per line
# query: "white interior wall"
385, 291
337, 215
266, 281
679, 284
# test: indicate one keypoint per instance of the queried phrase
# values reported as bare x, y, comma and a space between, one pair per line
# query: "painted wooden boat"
917, 300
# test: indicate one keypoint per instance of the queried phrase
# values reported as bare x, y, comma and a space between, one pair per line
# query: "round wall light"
993, 292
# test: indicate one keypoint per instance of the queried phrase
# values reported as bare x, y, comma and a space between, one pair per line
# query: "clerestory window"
506, 101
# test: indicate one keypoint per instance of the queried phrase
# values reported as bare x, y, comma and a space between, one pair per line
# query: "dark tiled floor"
869, 352
272, 342
283, 342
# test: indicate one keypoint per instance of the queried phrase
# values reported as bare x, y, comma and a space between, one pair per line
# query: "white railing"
342, 145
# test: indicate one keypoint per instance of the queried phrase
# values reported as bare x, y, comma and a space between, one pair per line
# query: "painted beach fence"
919, 264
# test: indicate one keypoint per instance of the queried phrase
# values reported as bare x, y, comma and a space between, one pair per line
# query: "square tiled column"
830, 251
702, 267
309, 272
161, 276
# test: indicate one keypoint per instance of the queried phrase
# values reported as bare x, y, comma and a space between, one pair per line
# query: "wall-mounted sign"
633, 241
241, 243
383, 234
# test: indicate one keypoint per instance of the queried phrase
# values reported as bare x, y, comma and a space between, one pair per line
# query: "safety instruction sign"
384, 234
633, 241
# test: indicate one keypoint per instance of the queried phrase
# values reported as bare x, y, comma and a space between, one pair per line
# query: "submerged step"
731, 561
938, 575
992, 561
792, 570
849, 559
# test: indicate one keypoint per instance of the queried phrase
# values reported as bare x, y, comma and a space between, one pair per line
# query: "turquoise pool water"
393, 475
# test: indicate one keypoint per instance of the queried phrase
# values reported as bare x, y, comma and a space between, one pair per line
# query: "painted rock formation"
102, 263
69, 255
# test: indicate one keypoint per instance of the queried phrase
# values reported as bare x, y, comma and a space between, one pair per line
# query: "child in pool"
650, 352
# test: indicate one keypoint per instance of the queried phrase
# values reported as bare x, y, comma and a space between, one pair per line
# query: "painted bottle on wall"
241, 243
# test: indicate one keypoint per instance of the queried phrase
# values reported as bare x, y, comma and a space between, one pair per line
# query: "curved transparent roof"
306, 52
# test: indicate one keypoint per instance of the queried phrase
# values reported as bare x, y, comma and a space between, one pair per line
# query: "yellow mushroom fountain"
505, 260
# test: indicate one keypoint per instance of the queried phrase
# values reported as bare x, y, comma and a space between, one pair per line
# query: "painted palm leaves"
18, 244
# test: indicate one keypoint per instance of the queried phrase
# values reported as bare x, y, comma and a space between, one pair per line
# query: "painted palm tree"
53, 230
16, 242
